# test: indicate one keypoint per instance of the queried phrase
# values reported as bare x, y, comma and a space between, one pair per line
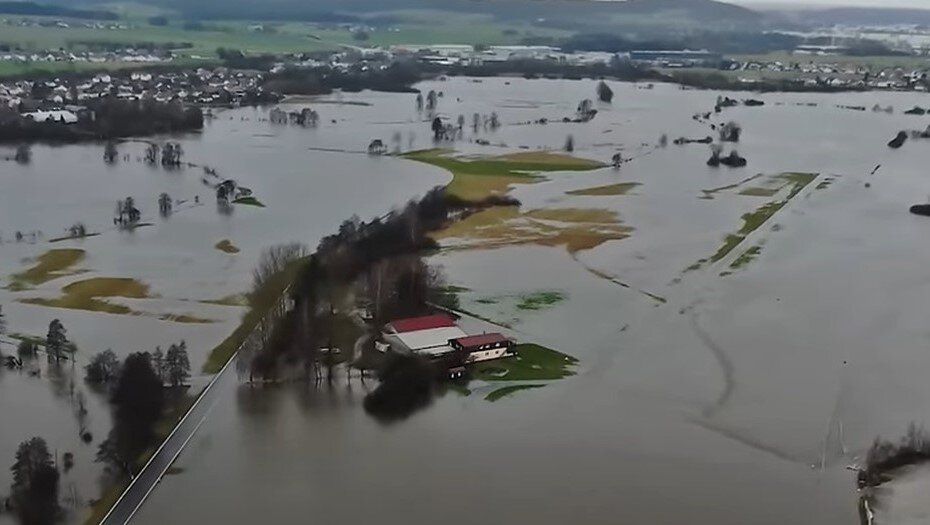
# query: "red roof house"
415, 324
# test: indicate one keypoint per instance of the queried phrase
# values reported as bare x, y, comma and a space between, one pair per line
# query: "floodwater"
307, 194
740, 399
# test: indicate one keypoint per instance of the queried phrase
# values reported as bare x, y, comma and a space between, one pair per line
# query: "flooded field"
743, 334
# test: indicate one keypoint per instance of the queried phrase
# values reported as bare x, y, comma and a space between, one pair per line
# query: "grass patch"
759, 192
506, 391
746, 257
249, 201
575, 229
479, 177
755, 219
240, 299
531, 363
86, 295
185, 319
709, 194
34, 339
102, 505
540, 300
622, 188
226, 246
260, 302
73, 237
48, 266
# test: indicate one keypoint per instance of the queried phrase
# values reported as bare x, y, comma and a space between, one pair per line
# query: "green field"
416, 27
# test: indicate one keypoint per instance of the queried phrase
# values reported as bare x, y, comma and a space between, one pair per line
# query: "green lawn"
503, 392
532, 363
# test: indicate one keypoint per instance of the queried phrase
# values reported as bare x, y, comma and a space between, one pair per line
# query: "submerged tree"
475, 122
2, 321
439, 129
23, 154
431, 100
494, 121
56, 341
158, 364
151, 153
138, 398
110, 153
34, 491
177, 364
585, 110
164, 204
419, 101
730, 132
617, 160
604, 93
103, 367
570, 144
171, 155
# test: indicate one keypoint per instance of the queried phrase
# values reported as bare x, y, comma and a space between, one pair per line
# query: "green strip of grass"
506, 391
540, 300
249, 201
260, 303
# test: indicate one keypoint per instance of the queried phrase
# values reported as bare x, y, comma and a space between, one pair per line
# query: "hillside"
860, 16
571, 14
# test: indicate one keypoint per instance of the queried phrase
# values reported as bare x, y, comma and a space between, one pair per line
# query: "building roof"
428, 322
420, 340
480, 340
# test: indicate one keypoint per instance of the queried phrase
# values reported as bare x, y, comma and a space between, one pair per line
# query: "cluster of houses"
839, 75
439, 338
63, 100
450, 55
124, 55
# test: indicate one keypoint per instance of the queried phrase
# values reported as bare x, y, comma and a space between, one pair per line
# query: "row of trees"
382, 254
172, 367
138, 397
108, 118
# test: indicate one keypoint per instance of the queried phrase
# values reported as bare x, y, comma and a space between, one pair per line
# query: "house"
439, 338
62, 116
484, 347
428, 335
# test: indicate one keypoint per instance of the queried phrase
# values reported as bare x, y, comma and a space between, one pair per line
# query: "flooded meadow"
742, 334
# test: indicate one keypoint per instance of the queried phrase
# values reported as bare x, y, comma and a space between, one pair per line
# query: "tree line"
108, 118
383, 255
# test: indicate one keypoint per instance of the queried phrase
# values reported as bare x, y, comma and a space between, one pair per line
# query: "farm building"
484, 347
437, 336
429, 335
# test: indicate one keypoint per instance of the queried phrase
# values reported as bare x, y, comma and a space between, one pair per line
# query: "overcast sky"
925, 4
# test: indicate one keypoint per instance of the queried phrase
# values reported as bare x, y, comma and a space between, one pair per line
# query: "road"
147, 479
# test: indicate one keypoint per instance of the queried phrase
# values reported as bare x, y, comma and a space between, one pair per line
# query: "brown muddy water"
736, 398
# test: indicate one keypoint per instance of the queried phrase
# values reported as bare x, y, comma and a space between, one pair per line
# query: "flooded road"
740, 397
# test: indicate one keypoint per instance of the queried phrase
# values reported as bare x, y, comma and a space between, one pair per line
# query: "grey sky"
924, 4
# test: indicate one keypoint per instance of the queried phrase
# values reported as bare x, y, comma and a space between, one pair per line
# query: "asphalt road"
145, 481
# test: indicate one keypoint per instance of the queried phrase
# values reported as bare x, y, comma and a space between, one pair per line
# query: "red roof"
473, 341
428, 322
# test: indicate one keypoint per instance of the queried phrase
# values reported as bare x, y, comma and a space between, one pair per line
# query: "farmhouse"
437, 336
484, 347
